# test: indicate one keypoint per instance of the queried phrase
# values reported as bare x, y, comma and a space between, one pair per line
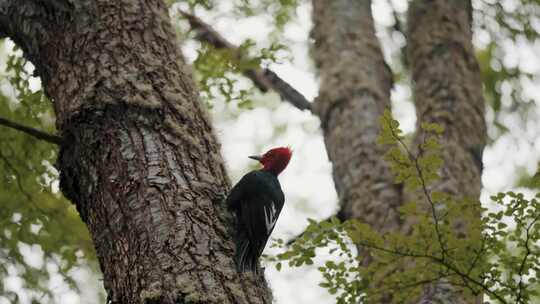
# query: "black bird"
257, 200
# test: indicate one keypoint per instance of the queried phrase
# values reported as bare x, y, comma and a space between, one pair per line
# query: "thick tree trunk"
140, 160
448, 91
355, 85
355, 88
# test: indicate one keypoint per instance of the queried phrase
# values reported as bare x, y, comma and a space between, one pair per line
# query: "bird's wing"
240, 190
259, 218
235, 196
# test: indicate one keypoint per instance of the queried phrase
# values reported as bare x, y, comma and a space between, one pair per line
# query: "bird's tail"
246, 256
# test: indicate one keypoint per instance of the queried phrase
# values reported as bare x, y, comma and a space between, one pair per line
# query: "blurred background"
46, 255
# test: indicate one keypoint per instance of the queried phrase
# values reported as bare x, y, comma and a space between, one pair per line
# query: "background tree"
355, 89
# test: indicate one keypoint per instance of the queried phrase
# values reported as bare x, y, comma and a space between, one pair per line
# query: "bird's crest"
276, 160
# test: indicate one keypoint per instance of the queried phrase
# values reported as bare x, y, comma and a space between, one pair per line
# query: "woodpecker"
257, 200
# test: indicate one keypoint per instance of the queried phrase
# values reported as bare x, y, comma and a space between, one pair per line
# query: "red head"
275, 160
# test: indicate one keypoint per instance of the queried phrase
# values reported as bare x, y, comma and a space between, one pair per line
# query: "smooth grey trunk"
139, 158
355, 85
448, 91
354, 90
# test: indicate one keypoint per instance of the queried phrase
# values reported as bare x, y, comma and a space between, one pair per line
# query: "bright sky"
307, 182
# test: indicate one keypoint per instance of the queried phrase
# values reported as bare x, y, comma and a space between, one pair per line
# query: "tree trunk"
448, 91
139, 158
354, 90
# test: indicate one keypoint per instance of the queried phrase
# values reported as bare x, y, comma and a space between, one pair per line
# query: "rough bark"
139, 158
354, 90
448, 91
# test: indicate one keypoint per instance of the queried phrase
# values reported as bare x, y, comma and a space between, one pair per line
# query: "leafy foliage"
504, 27
217, 70
281, 11
451, 240
33, 213
532, 182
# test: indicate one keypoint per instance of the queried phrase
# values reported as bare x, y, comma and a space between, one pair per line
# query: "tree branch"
438, 260
528, 252
338, 215
263, 78
38, 134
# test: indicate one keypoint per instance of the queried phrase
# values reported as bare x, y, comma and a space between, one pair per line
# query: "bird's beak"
256, 157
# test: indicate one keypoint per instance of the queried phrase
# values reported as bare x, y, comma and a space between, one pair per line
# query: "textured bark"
139, 158
355, 88
448, 91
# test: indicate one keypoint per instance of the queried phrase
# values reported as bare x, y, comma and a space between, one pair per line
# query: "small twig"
441, 260
411, 285
54, 139
263, 78
18, 179
424, 189
18, 176
338, 215
465, 277
525, 257
479, 254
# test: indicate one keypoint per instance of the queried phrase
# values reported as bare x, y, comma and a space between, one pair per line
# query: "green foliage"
205, 4
531, 182
505, 26
451, 240
217, 70
280, 11
33, 212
